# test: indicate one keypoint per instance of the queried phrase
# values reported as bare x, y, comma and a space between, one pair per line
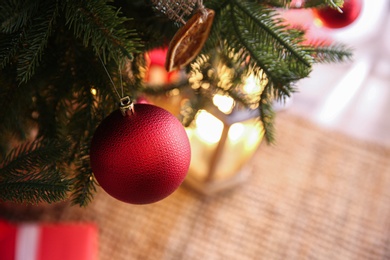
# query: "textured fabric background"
314, 195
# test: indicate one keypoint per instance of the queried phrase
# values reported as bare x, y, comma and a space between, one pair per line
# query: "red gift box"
47, 241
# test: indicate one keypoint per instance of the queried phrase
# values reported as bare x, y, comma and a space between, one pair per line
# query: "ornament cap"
126, 106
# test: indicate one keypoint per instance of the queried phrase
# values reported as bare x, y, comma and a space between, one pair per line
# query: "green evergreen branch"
273, 52
29, 173
47, 188
36, 39
323, 53
267, 115
77, 118
268, 44
31, 154
268, 22
84, 183
14, 15
78, 115
9, 45
99, 24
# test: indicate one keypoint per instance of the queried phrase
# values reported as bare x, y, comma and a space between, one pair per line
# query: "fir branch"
267, 115
323, 53
78, 115
78, 109
99, 24
36, 39
29, 173
281, 92
84, 183
45, 186
30, 154
268, 43
280, 40
15, 15
275, 54
9, 45
83, 112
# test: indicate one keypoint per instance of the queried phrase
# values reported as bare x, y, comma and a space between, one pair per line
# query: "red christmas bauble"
140, 158
334, 19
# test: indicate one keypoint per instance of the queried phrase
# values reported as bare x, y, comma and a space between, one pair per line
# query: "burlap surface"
316, 194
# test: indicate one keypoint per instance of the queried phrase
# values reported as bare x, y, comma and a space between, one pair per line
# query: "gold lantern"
223, 138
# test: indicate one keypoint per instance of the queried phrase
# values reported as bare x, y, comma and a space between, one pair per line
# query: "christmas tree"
61, 60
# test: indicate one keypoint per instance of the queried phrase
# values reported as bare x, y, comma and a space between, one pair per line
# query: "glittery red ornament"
334, 19
142, 157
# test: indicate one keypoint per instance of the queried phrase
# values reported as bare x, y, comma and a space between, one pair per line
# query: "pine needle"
325, 53
15, 15
84, 183
36, 37
102, 26
30, 174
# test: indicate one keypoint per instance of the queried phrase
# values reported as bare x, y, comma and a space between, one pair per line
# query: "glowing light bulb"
93, 91
236, 131
208, 127
224, 103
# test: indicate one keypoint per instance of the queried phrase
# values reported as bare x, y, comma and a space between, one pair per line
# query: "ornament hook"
127, 106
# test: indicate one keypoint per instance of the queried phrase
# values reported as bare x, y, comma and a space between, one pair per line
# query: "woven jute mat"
316, 194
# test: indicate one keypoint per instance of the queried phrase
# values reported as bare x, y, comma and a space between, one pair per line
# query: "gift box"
48, 241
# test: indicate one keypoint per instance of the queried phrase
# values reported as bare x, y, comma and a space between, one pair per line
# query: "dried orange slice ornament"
189, 39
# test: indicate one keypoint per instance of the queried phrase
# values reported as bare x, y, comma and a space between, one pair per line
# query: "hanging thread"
109, 76
126, 104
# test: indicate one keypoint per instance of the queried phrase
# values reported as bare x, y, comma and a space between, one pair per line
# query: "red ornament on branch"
141, 157
334, 19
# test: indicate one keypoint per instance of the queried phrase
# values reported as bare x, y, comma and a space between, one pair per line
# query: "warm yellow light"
93, 91
224, 103
236, 131
255, 134
208, 127
252, 85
